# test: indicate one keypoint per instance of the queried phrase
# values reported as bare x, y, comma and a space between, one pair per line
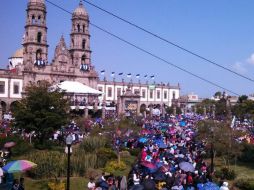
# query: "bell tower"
35, 39
80, 39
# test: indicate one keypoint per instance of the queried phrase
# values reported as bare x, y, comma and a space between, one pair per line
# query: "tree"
221, 137
242, 98
205, 103
218, 94
244, 109
42, 111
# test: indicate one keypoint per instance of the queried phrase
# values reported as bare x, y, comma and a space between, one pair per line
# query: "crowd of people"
171, 158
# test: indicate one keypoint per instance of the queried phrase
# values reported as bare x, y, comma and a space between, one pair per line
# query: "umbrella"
210, 186
142, 139
186, 166
182, 123
9, 144
159, 176
162, 145
164, 168
148, 165
18, 166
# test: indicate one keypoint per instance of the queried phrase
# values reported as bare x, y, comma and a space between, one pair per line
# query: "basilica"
71, 62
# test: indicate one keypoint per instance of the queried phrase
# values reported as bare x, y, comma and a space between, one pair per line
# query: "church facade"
71, 62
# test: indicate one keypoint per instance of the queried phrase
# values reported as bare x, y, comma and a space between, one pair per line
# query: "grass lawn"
242, 169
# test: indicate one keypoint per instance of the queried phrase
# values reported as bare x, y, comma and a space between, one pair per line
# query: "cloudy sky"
219, 30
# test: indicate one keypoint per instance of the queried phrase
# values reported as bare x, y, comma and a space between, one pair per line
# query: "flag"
112, 74
145, 76
102, 72
120, 74
129, 75
137, 76
152, 77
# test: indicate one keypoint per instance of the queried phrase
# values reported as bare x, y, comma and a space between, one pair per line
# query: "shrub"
56, 186
228, 174
92, 173
112, 166
247, 153
92, 144
245, 184
53, 163
104, 155
124, 154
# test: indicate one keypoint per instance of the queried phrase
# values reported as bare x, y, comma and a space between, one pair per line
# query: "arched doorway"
13, 105
142, 108
3, 105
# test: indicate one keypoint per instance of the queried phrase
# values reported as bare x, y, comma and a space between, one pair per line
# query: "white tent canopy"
77, 88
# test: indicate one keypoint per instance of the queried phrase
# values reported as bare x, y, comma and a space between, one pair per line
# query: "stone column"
151, 111
96, 104
86, 112
195, 109
163, 110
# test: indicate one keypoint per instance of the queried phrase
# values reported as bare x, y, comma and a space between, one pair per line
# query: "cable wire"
170, 42
149, 53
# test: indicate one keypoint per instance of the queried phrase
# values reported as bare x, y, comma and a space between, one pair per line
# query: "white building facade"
150, 94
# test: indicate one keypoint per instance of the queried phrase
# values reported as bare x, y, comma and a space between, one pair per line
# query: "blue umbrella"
210, 186
143, 140
182, 123
186, 166
162, 145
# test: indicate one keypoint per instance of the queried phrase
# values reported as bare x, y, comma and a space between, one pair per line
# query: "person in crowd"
15, 185
224, 186
21, 184
91, 184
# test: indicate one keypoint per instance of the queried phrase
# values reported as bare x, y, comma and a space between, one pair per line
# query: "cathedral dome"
18, 53
80, 10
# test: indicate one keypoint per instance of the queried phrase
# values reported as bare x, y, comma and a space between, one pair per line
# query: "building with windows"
71, 62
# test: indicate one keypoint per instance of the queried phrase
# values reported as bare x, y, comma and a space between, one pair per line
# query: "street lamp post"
68, 143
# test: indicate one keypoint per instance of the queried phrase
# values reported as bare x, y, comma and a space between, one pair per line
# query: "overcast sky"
220, 30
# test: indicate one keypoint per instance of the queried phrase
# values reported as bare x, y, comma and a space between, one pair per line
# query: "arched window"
38, 54
84, 28
174, 95
72, 42
83, 58
83, 44
39, 19
39, 37
33, 19
78, 26
72, 59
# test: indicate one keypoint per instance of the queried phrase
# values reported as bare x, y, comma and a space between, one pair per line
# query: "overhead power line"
149, 53
170, 42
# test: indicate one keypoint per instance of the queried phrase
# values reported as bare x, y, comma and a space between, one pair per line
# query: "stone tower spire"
80, 38
35, 39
